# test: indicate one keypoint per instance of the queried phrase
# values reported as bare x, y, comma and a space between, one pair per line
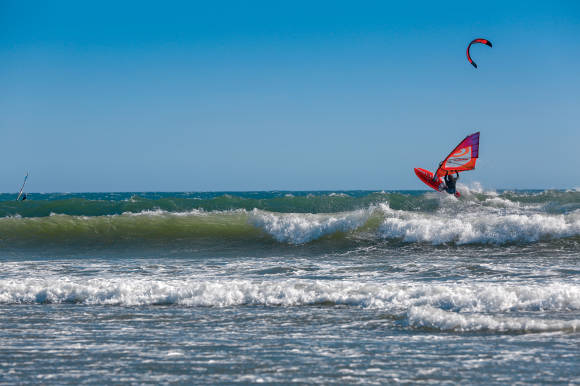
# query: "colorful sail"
462, 158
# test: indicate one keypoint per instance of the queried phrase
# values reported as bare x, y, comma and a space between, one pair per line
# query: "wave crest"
299, 228
464, 307
294, 292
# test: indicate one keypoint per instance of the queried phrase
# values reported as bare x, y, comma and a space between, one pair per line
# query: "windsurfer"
449, 184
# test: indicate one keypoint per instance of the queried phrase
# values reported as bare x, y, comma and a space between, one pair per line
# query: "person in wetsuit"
450, 182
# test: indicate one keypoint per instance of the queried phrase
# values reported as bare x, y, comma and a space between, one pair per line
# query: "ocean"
291, 287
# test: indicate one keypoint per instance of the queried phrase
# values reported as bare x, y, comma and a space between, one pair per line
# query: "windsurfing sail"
22, 188
481, 41
462, 158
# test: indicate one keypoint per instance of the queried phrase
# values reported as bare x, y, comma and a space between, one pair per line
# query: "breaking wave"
480, 226
458, 307
478, 218
301, 228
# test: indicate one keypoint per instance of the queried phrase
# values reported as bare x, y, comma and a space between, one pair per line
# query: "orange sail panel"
462, 158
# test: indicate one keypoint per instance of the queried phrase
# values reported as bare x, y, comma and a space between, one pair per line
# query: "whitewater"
281, 287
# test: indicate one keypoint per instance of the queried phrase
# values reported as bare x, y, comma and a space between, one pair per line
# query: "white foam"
189, 213
395, 297
497, 201
12, 216
459, 307
475, 187
333, 194
192, 212
299, 228
146, 212
477, 226
430, 317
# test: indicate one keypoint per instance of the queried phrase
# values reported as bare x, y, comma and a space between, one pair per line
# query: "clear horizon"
221, 97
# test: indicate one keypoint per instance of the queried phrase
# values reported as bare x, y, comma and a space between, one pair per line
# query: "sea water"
307, 287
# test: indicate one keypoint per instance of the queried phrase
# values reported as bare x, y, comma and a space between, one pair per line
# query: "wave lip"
300, 228
160, 225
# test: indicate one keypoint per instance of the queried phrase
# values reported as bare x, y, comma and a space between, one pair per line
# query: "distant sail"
462, 158
22, 188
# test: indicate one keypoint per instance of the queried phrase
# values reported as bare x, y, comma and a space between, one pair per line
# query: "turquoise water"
310, 287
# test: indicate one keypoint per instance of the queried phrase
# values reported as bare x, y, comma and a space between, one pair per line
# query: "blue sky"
188, 96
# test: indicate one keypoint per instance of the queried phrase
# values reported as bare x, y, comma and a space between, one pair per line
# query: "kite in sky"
481, 41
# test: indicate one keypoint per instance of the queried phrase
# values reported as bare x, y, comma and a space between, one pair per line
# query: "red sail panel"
462, 158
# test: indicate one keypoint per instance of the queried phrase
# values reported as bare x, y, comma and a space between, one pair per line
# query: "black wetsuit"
450, 183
